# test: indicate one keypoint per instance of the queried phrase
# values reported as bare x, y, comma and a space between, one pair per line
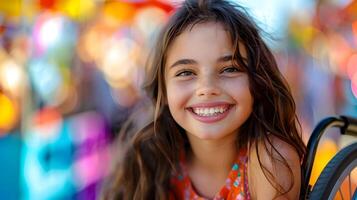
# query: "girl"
223, 124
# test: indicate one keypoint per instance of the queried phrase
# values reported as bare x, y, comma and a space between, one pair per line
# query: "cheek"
177, 96
172, 96
240, 91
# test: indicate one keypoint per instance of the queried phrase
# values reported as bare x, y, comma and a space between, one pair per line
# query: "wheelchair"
339, 168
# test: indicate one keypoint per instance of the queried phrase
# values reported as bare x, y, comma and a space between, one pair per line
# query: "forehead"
208, 34
203, 41
205, 31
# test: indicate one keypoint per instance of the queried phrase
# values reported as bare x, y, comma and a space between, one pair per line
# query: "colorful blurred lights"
149, 20
47, 123
7, 113
46, 79
50, 31
79, 10
120, 61
47, 32
12, 77
90, 169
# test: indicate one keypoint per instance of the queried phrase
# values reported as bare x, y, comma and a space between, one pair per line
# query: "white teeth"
206, 111
210, 111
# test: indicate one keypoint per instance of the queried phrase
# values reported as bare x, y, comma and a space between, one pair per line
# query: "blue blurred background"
71, 70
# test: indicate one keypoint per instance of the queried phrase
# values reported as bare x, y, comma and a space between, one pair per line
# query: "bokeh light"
50, 32
8, 114
78, 10
120, 57
12, 77
46, 79
148, 21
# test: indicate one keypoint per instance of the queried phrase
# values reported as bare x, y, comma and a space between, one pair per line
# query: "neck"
212, 156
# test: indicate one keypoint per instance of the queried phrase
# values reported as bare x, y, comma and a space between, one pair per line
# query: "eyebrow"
225, 58
191, 61
183, 62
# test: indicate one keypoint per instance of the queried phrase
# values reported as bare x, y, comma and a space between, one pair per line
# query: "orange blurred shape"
354, 30
339, 51
8, 113
91, 46
46, 116
351, 9
327, 149
120, 11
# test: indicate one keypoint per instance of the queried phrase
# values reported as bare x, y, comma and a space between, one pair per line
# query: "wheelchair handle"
351, 126
347, 125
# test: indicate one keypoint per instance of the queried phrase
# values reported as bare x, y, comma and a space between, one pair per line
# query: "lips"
210, 112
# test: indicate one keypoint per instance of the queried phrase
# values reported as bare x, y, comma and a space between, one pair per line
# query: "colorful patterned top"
236, 187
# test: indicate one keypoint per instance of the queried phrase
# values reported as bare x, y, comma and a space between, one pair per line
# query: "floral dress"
235, 188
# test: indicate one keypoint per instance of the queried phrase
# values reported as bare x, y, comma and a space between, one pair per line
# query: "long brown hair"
152, 152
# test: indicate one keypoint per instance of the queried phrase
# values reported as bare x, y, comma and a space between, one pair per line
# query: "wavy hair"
152, 151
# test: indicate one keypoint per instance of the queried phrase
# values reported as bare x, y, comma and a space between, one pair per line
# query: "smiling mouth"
210, 111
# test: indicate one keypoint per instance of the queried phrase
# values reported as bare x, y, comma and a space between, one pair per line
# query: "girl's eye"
184, 73
230, 70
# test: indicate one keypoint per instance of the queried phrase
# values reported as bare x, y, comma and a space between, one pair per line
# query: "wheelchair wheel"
335, 181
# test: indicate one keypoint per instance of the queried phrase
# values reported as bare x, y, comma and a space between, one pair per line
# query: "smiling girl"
223, 124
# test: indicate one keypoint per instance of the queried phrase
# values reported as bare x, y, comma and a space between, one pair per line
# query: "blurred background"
71, 70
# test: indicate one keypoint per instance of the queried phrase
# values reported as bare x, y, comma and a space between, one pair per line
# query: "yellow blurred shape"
304, 34
7, 113
327, 149
11, 8
76, 9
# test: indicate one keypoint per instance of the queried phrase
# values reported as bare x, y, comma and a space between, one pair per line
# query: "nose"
208, 87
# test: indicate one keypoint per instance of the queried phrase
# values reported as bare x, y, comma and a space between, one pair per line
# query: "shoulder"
274, 165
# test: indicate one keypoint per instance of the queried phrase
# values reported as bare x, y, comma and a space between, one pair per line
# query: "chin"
207, 136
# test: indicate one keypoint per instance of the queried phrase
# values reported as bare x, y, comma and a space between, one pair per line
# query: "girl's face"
207, 95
